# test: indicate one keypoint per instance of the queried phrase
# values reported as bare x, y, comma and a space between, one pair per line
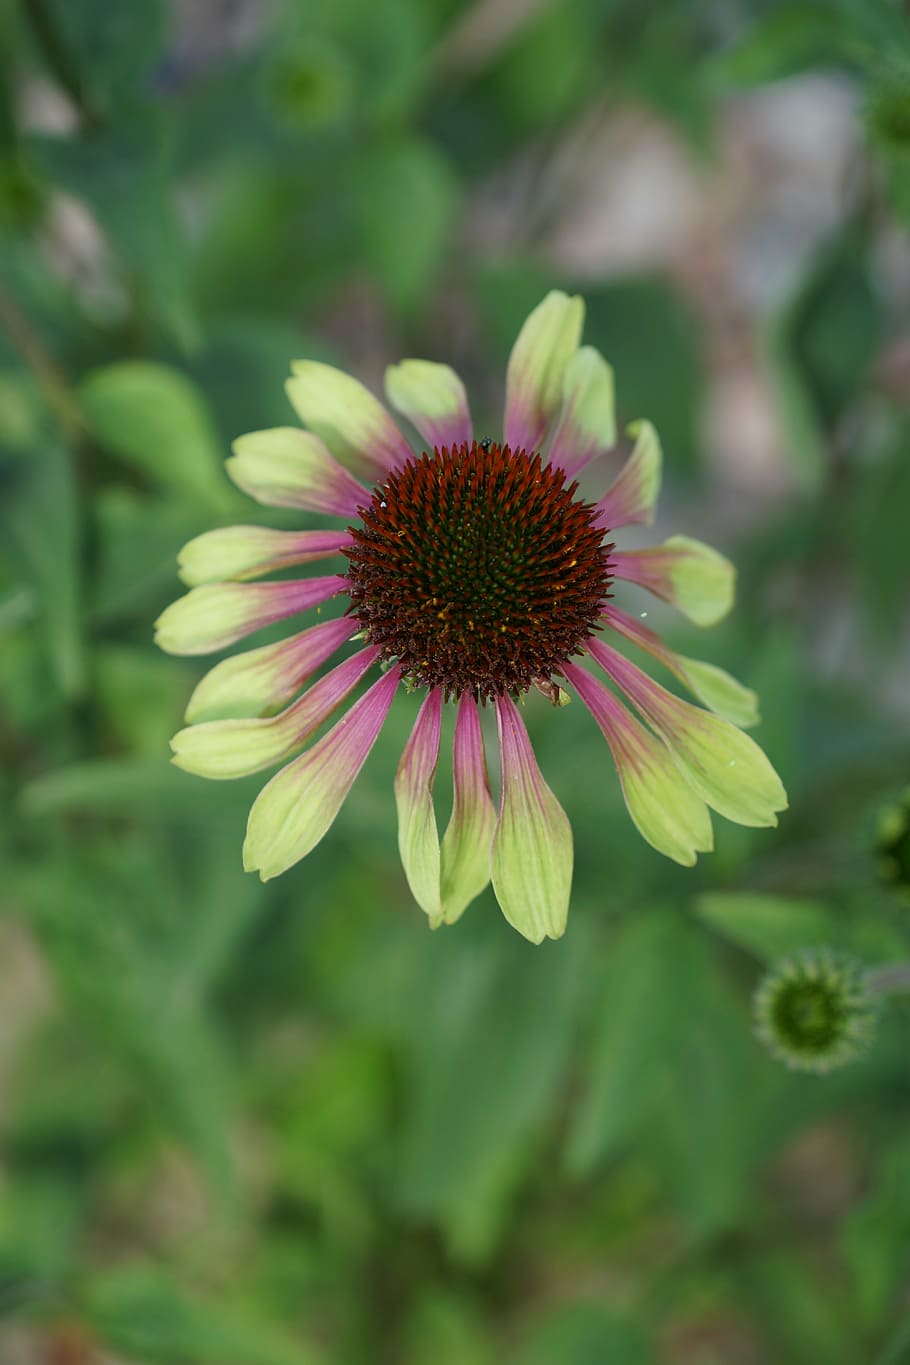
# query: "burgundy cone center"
478, 570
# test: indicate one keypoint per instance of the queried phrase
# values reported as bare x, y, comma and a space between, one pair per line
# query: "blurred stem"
59, 58
51, 379
892, 979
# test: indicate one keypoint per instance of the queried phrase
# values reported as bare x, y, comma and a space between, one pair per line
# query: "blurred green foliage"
285, 1123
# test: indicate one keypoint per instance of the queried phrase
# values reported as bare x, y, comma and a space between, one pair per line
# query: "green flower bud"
892, 846
814, 1011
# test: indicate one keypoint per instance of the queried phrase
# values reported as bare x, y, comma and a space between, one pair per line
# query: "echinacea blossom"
468, 573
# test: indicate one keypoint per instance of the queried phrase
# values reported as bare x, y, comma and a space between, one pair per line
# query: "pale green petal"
287, 467
703, 579
354, 425
720, 691
537, 368
297, 808
531, 856
418, 838
633, 497
218, 614
261, 680
726, 767
587, 423
223, 749
433, 399
690, 575
667, 812
239, 552
465, 861
712, 686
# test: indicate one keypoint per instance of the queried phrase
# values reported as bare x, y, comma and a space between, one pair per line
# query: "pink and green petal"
531, 856
666, 811
632, 498
433, 399
713, 686
465, 860
298, 807
587, 423
537, 367
353, 424
263, 679
287, 467
418, 837
727, 768
239, 552
689, 575
218, 614
224, 749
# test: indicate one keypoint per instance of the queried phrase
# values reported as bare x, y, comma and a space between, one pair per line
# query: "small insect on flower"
814, 1011
472, 572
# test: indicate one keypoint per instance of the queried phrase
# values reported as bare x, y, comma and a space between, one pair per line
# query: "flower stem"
892, 979
60, 59
51, 379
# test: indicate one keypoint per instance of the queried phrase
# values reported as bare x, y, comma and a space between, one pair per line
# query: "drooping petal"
287, 467
465, 863
713, 686
236, 748
726, 767
297, 808
354, 425
667, 812
633, 496
587, 423
433, 399
691, 576
537, 367
263, 679
218, 614
238, 552
418, 837
531, 856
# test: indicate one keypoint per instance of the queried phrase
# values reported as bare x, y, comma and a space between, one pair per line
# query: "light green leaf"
154, 418
769, 926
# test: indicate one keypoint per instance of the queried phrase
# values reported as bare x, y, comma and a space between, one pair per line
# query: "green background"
257, 1125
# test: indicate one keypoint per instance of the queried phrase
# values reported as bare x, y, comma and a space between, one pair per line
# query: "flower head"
470, 571
814, 1011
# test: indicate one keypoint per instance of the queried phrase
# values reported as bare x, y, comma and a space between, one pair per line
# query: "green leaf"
154, 419
643, 996
768, 926
407, 200
143, 694
112, 47
40, 524
123, 172
583, 1334
114, 786
821, 347
706, 1134
878, 526
487, 1066
138, 539
139, 1311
